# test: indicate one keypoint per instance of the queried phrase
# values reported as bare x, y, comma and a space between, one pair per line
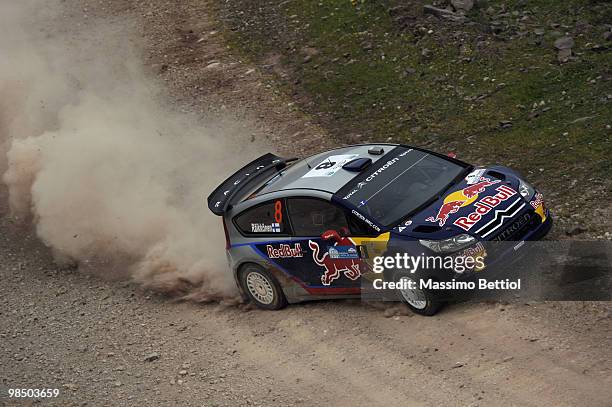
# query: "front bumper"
544, 228
502, 258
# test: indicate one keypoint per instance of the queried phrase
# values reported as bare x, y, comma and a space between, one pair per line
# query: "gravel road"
109, 342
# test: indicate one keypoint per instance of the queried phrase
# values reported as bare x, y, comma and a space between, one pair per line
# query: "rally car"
301, 230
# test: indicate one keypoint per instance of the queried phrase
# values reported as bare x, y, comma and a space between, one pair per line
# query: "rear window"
398, 184
265, 219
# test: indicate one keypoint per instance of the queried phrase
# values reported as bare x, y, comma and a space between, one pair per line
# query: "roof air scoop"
358, 164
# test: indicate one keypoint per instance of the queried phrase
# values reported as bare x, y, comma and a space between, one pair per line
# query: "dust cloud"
107, 172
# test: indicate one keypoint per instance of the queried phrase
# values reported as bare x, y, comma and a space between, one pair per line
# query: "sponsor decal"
264, 228
330, 165
484, 206
350, 194
458, 199
474, 176
476, 251
539, 200
379, 171
284, 251
516, 226
367, 221
500, 216
243, 177
402, 227
343, 252
333, 267
359, 186
538, 205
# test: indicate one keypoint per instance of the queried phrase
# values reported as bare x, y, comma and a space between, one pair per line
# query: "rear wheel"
420, 301
262, 288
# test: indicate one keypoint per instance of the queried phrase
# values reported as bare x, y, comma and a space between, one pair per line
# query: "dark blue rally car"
307, 229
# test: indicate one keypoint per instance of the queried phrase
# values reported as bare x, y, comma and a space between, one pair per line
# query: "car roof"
301, 175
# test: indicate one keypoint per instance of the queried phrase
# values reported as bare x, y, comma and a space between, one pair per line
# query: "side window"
312, 217
266, 219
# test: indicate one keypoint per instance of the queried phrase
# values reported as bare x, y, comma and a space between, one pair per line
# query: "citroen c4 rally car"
301, 230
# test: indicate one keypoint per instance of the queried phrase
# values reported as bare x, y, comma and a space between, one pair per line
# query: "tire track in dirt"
385, 358
499, 357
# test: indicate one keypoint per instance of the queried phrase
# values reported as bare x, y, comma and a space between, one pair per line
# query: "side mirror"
331, 235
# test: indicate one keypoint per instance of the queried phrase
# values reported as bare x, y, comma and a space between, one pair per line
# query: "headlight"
525, 189
449, 245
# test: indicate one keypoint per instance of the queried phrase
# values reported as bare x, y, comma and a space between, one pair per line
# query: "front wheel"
420, 301
262, 288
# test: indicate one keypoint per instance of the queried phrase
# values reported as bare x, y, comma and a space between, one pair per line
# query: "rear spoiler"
220, 200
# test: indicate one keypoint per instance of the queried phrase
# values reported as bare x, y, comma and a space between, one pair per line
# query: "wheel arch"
238, 269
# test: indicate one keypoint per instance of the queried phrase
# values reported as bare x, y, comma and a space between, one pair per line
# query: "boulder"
463, 5
564, 43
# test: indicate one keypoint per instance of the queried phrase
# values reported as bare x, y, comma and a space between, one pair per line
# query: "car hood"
480, 204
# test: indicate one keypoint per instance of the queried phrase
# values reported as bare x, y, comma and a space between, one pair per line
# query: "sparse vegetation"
490, 87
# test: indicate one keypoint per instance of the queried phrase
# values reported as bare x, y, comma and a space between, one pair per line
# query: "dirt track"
90, 337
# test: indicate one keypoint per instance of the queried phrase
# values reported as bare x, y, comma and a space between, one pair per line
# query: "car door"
314, 242
331, 260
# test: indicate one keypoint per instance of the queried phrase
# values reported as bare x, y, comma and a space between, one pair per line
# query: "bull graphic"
333, 267
480, 186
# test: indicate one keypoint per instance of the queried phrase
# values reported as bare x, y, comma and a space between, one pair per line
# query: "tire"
261, 287
419, 301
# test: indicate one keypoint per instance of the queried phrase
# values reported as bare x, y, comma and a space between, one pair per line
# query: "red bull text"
484, 206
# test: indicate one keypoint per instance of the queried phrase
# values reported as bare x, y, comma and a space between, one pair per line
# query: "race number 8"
278, 212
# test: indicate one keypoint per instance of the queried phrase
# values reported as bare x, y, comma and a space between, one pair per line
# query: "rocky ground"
104, 342
524, 83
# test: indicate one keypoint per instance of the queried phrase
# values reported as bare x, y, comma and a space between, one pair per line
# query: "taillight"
228, 244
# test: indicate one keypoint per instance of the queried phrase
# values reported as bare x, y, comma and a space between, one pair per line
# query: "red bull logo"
539, 200
458, 199
484, 206
284, 251
333, 267
473, 190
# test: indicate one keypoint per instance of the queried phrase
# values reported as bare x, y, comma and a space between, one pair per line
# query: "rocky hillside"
523, 83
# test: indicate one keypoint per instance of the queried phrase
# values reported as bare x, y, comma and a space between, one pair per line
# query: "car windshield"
399, 183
